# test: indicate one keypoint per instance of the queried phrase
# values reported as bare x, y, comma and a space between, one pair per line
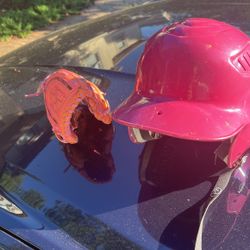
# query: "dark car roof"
143, 195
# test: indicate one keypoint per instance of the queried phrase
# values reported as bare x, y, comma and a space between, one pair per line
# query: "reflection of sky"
128, 64
148, 31
122, 191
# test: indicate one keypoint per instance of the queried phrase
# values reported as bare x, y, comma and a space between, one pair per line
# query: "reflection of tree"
86, 229
12, 183
33, 198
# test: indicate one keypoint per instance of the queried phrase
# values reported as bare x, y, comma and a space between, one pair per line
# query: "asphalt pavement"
101, 8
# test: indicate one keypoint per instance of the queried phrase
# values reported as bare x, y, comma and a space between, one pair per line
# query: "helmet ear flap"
239, 146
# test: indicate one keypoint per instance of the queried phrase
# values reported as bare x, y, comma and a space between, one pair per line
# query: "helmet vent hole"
242, 61
242, 64
159, 112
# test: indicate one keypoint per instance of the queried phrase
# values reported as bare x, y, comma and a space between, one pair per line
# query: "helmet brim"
180, 119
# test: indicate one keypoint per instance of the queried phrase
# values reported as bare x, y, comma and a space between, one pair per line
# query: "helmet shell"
192, 82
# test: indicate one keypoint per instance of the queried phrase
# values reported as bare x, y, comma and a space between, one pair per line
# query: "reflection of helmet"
176, 178
91, 156
226, 216
192, 83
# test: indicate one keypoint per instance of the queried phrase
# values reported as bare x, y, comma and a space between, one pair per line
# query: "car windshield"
124, 195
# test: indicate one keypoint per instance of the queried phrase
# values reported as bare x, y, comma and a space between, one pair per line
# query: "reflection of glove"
95, 167
91, 156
